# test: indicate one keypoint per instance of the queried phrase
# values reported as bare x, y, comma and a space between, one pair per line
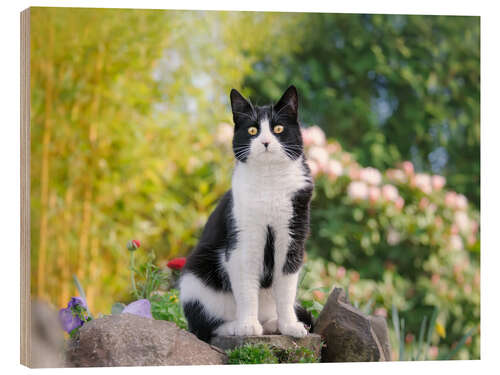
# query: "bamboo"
93, 273
92, 136
47, 134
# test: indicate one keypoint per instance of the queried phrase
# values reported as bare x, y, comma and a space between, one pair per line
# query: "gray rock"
47, 338
350, 335
379, 326
311, 342
131, 340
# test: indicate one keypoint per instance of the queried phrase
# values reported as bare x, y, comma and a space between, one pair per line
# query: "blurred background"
130, 138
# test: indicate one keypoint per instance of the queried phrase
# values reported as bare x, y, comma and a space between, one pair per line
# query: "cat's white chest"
263, 196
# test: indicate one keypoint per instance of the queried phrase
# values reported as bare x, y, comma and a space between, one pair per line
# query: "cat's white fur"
262, 189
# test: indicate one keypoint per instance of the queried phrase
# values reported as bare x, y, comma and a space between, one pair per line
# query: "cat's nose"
265, 144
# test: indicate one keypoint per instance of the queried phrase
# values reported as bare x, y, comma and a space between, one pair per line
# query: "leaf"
461, 343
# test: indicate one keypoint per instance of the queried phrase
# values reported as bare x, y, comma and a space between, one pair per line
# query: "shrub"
394, 237
167, 307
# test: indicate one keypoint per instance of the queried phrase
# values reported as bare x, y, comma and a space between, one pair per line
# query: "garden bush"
396, 237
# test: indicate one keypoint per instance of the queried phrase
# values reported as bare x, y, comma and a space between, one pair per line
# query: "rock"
311, 342
47, 338
131, 340
350, 335
379, 326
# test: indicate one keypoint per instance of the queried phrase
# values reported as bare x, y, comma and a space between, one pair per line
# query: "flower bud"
133, 245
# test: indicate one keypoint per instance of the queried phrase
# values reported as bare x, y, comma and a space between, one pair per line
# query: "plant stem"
132, 273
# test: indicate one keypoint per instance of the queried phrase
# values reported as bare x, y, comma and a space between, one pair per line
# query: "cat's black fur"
284, 112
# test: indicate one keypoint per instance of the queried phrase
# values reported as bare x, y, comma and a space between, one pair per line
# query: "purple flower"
141, 307
74, 315
69, 321
77, 301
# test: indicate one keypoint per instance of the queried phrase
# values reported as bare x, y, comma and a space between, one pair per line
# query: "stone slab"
311, 342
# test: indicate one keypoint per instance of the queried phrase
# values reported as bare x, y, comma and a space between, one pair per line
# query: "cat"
241, 278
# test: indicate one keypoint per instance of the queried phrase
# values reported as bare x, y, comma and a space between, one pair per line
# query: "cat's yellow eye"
252, 130
278, 129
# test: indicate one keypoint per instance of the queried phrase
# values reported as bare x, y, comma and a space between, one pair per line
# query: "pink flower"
318, 295
320, 155
461, 202
334, 169
354, 173
462, 221
333, 148
438, 182
371, 176
423, 182
224, 133
456, 243
380, 311
373, 194
396, 175
340, 272
450, 199
357, 190
390, 193
433, 352
313, 136
407, 167
400, 203
313, 166
423, 204
393, 237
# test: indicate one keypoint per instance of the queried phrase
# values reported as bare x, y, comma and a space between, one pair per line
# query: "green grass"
268, 354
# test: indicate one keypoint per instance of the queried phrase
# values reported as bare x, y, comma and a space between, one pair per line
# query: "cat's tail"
304, 316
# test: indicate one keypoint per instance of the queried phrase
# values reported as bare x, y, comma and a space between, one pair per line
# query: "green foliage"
388, 87
166, 306
409, 350
297, 355
263, 353
151, 278
251, 354
394, 237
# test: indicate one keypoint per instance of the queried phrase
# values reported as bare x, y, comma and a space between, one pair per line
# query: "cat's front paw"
248, 328
294, 329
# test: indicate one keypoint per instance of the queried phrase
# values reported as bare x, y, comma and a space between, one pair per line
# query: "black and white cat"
241, 279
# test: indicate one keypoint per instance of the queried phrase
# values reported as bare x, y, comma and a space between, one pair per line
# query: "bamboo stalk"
45, 174
93, 274
92, 136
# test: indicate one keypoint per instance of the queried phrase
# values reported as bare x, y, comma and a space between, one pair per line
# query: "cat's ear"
240, 106
289, 103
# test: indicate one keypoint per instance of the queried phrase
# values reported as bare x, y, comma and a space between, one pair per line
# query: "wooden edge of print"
25, 191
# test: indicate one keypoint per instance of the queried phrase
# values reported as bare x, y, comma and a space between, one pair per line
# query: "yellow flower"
440, 330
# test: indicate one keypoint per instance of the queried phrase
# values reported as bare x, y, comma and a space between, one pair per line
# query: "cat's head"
268, 134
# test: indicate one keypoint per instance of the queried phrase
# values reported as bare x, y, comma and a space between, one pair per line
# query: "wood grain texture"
25, 190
